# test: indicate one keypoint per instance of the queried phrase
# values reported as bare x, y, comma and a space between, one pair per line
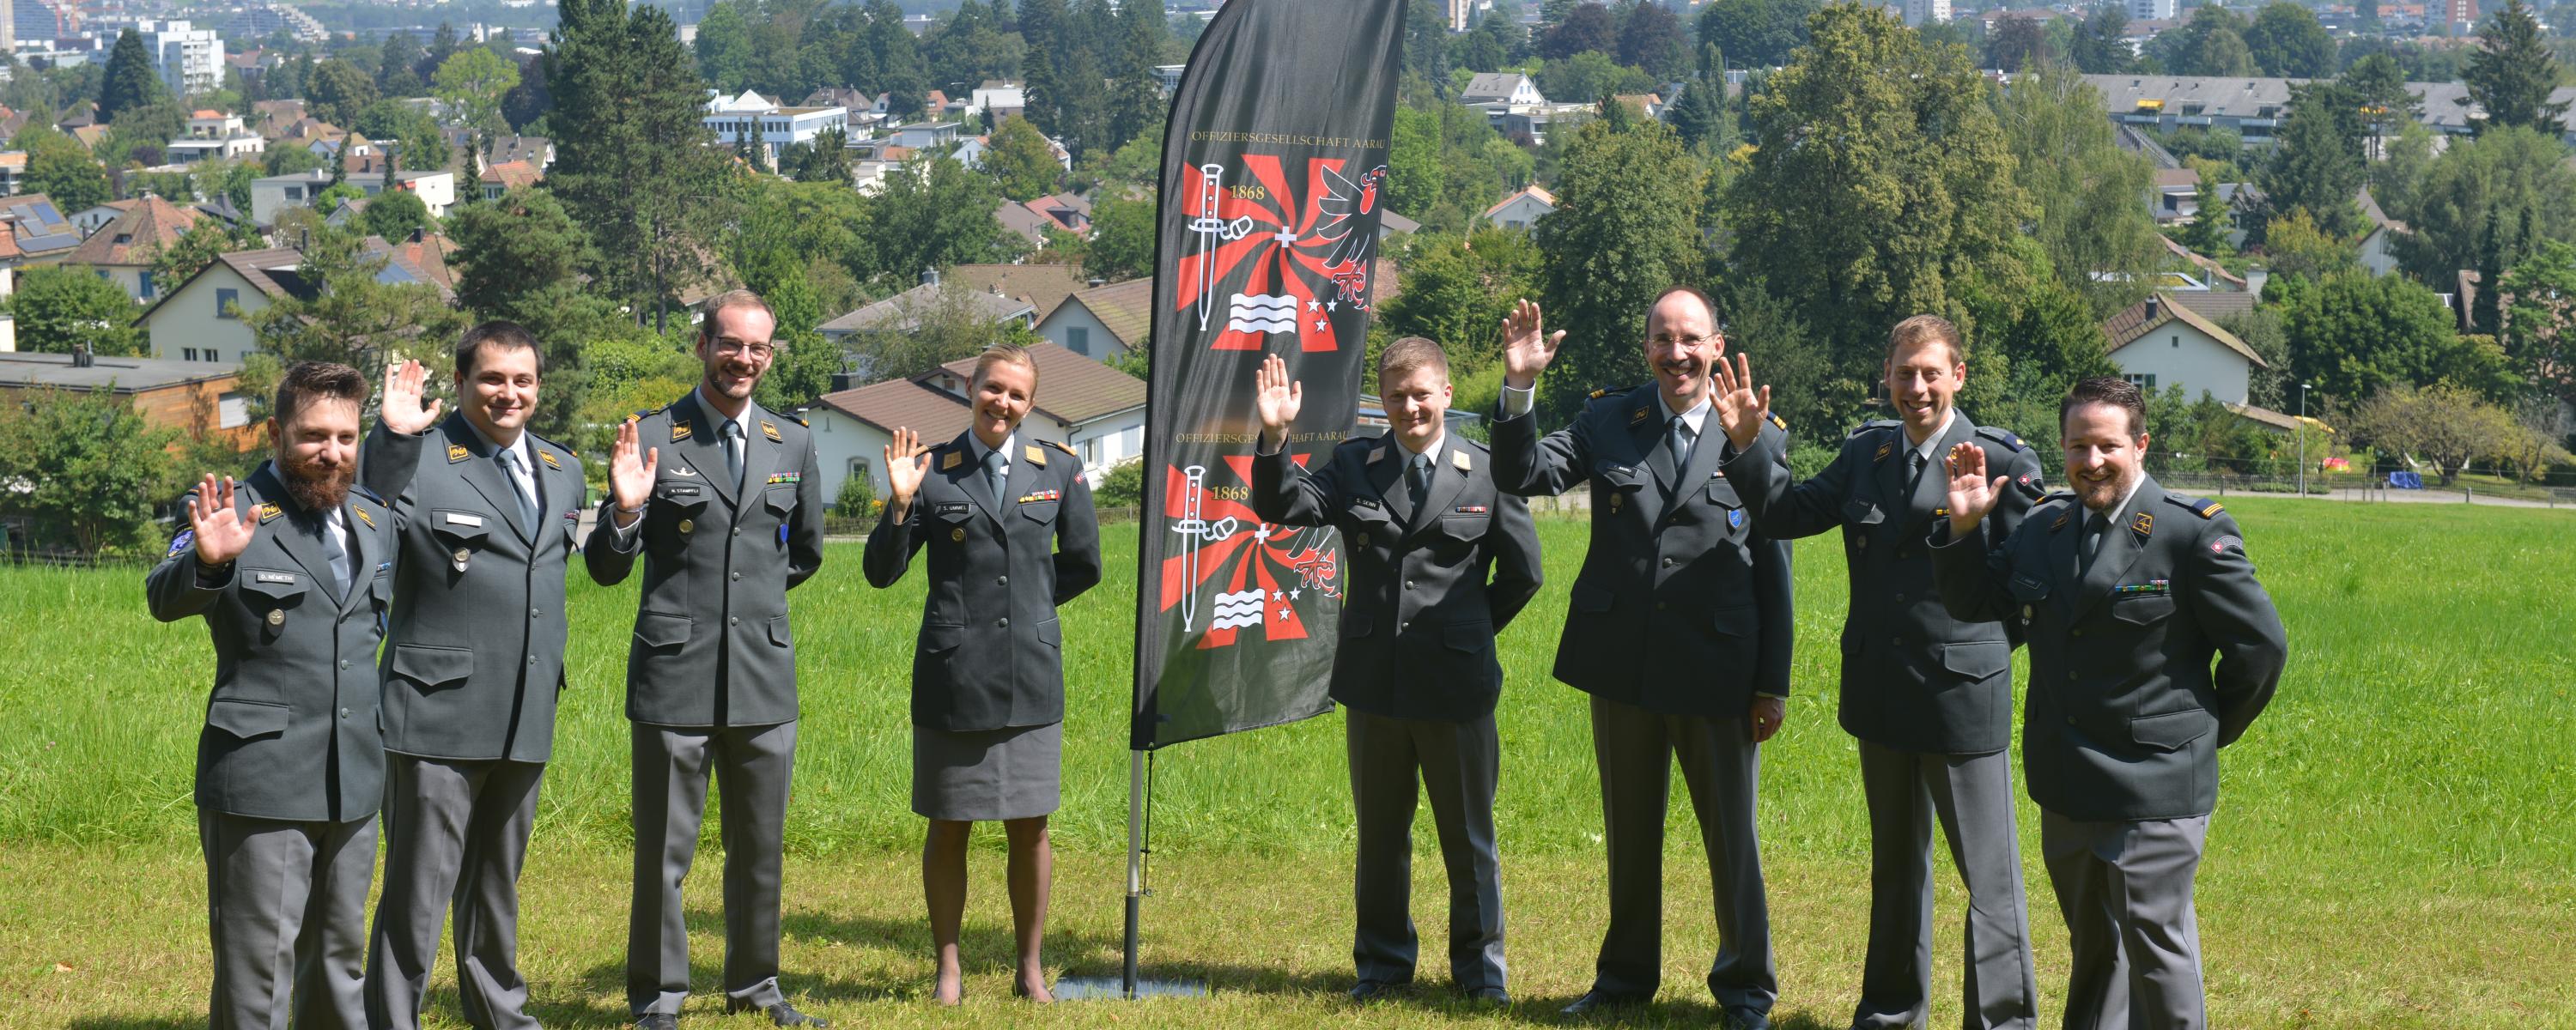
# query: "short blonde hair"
1408, 354
1005, 354
1922, 329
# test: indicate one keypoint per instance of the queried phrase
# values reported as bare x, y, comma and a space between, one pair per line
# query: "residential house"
508, 175
2379, 244
268, 196
1103, 321
201, 319
1030, 220
1041, 287
123, 250
1649, 106
905, 311
1000, 100
272, 118
13, 172
2162, 341
1096, 411
202, 400
2253, 107
41, 233
755, 120
941, 136
91, 221
1501, 89
1521, 210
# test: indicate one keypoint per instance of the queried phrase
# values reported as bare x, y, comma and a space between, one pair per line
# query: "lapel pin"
770, 430
1462, 461
456, 452
679, 431
952, 460
2143, 523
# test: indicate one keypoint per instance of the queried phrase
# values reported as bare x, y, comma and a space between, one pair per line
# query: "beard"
315, 488
2100, 496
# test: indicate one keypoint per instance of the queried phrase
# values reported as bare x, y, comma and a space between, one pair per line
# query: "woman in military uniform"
1008, 525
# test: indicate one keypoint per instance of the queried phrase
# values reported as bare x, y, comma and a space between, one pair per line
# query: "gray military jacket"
711, 644
990, 653
291, 729
475, 650
2125, 715
1427, 589
1913, 678
1682, 606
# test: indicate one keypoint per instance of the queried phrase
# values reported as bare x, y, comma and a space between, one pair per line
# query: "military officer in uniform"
2128, 594
1439, 561
1680, 632
1929, 696
291, 570
719, 497
1008, 523
485, 514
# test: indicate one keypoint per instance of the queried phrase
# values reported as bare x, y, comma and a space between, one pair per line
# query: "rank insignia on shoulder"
1776, 421
679, 431
370, 520
456, 452
1035, 454
1068, 449
1462, 461
1036, 496
2002, 436
1634, 417
952, 460
2143, 524
549, 458
1884, 450
1598, 394
776, 478
770, 430
182, 542
1468, 509
268, 512
2212, 509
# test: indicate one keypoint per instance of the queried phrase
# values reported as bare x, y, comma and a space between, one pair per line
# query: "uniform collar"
716, 415
975, 447
1694, 418
1933, 442
1432, 453
519, 447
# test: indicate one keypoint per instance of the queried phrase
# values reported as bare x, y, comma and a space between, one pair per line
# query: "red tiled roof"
903, 404
149, 225
1072, 388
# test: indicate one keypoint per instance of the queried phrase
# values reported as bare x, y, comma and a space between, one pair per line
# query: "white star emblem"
1333, 306
1321, 325
1275, 595
1312, 304
1283, 614
1292, 593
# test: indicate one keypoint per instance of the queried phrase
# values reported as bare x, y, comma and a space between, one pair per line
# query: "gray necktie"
518, 489
1417, 480
1914, 465
337, 556
2093, 532
994, 477
1677, 436
733, 451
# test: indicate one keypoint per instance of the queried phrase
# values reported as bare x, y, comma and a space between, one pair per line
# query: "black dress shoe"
1490, 996
657, 1021
1594, 1001
1374, 990
780, 1013
1747, 1019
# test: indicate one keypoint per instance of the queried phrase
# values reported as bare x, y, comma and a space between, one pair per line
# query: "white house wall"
189, 320
2177, 353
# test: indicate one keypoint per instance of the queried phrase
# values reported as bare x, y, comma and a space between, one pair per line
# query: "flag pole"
1129, 985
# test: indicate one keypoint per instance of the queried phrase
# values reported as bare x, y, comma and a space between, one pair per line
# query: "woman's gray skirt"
983, 775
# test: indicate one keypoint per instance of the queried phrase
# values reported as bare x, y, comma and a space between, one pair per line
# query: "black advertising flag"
1274, 168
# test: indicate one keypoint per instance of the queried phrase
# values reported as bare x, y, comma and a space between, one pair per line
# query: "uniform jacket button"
1001, 581
1002, 623
344, 663
344, 713
733, 620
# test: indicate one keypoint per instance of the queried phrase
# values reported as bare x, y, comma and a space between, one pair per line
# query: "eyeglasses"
1669, 340
728, 346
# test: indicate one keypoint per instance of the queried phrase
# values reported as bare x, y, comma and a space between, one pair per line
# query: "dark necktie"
2093, 532
1914, 465
994, 477
1417, 480
733, 451
1677, 438
334, 556
527, 504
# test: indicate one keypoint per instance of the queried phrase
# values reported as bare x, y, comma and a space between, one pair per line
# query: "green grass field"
2395, 845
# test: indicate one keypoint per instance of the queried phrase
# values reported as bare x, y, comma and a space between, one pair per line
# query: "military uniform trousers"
1722, 767
750, 765
1972, 798
2132, 938
456, 836
288, 913
1459, 765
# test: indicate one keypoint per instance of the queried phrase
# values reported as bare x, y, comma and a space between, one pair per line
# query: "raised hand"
1739, 406
403, 410
1527, 345
630, 475
1972, 495
906, 465
215, 516
1277, 397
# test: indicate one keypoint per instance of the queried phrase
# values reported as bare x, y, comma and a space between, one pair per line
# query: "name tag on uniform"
287, 578
455, 519
953, 508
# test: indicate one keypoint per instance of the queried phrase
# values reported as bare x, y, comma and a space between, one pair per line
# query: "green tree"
1589, 28
2016, 43
1650, 37
2318, 163
724, 47
1122, 239
2540, 327
1042, 28
1588, 76
933, 213
2513, 72
632, 160
2082, 186
351, 318
472, 84
336, 91
63, 171
1701, 114
514, 248
2099, 45
1021, 163
2449, 426
2484, 200
1491, 45
1757, 33
1627, 223
57, 306
805, 363
2356, 334
897, 56
1136, 105
394, 214
828, 160
84, 468
1457, 289
132, 78
398, 64
2207, 233
1916, 190
2287, 41
140, 133
2295, 248
2378, 87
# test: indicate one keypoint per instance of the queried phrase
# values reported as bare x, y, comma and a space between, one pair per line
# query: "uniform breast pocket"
779, 499
947, 520
1860, 512
1040, 511
273, 595
464, 532
1727, 509
1465, 526
2144, 610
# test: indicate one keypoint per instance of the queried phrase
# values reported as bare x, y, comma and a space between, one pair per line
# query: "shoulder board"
1598, 394
2203, 507
643, 413
1876, 423
799, 419
1060, 447
362, 491
2062, 495
1615, 391
1776, 421
2003, 436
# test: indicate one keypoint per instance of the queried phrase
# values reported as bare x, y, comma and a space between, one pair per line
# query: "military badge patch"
1734, 518
456, 452
770, 430
2221, 545
185, 539
1035, 455
549, 458
1636, 416
370, 520
268, 512
953, 460
1884, 450
679, 431
1460, 459
2143, 524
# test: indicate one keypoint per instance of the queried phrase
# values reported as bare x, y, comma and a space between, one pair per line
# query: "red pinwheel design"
1268, 262
1234, 572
